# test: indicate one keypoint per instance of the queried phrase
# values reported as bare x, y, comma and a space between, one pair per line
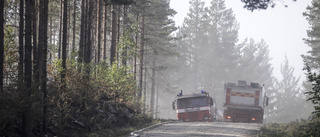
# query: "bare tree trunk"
145, 84
82, 33
105, 31
28, 46
68, 51
135, 51
64, 43
74, 27
35, 46
24, 117
152, 85
42, 49
141, 55
28, 65
113, 37
1, 45
98, 29
88, 46
157, 102
118, 29
21, 49
60, 29
124, 56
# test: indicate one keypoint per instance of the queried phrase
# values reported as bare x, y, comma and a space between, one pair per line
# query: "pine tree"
289, 101
193, 30
312, 14
223, 38
254, 65
312, 59
158, 30
255, 62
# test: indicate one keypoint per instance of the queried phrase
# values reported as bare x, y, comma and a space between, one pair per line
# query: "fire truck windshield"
191, 102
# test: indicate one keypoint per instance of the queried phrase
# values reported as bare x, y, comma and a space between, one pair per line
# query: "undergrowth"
298, 128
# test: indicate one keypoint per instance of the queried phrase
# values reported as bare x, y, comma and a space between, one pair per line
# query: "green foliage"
302, 128
288, 102
97, 103
312, 58
314, 94
255, 62
208, 50
11, 54
312, 15
258, 4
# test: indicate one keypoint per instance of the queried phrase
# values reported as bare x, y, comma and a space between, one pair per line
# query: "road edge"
138, 132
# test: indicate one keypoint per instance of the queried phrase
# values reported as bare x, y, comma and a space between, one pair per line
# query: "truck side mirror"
173, 105
211, 101
267, 101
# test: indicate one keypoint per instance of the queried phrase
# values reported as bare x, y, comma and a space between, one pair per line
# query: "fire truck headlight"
253, 119
228, 117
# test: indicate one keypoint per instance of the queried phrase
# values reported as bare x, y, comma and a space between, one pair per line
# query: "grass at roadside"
298, 128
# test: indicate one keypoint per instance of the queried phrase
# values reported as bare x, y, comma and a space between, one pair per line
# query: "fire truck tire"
205, 116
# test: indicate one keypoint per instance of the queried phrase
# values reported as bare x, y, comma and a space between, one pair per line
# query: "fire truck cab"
195, 107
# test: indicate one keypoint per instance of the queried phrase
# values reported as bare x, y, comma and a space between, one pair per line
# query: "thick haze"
282, 28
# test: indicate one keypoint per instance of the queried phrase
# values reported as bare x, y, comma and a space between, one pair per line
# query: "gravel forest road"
203, 129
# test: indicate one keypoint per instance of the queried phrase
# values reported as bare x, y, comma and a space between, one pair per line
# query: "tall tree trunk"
24, 123
141, 54
114, 35
88, 46
153, 84
145, 83
21, 49
157, 102
82, 33
1, 45
28, 66
68, 27
42, 49
98, 29
124, 56
135, 51
35, 45
28, 46
64, 42
60, 29
118, 29
105, 31
74, 27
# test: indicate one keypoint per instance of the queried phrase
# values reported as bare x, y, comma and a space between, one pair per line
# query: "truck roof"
243, 84
192, 95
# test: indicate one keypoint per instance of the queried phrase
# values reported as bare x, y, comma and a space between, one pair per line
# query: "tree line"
75, 67
80, 65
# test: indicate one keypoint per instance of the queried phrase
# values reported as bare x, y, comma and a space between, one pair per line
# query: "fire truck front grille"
193, 115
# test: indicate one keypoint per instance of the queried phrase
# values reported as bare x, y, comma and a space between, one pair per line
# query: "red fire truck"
244, 103
195, 107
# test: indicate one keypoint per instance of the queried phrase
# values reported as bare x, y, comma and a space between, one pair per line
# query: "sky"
282, 28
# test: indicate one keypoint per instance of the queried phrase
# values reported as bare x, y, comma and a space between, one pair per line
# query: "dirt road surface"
203, 129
